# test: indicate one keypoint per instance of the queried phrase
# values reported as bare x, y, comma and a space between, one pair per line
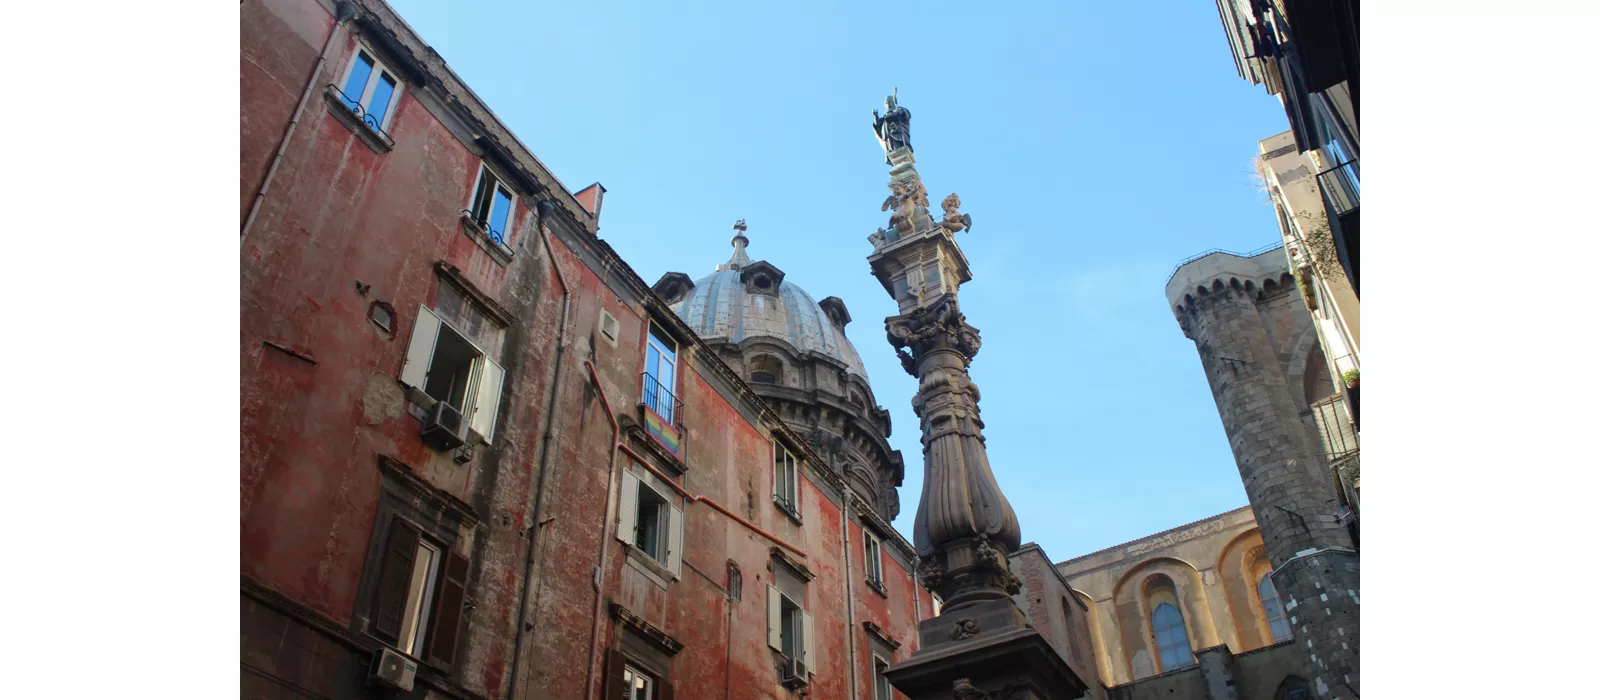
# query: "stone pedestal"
985, 651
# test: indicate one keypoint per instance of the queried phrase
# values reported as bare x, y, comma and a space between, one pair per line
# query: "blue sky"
1094, 144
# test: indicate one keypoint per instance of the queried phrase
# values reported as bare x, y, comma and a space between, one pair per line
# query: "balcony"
368, 127
1341, 184
662, 414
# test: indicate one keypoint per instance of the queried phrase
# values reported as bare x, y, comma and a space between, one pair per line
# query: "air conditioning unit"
794, 673
393, 669
443, 427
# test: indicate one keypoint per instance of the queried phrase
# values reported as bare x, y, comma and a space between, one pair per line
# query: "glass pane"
378, 106
356, 84
500, 214
417, 595
481, 199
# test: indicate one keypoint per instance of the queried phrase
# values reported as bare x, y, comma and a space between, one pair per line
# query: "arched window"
1294, 688
766, 370
1273, 608
1172, 640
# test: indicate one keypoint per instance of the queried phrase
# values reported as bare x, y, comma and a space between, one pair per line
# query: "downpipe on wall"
605, 530
343, 13
542, 210
849, 589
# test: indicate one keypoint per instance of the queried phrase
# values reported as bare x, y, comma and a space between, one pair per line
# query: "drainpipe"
543, 210
849, 590
605, 531
343, 12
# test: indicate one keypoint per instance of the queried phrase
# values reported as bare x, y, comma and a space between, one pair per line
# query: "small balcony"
662, 414
1342, 185
369, 127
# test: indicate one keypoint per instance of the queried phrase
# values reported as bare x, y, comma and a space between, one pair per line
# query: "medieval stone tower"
1253, 334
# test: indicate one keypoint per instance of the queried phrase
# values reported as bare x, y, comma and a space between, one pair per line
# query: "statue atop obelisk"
965, 529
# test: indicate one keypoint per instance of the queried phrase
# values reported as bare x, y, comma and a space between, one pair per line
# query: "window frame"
638, 675
1182, 627
1282, 616
500, 183
486, 373
671, 523
379, 69
656, 339
785, 473
801, 624
872, 559
882, 689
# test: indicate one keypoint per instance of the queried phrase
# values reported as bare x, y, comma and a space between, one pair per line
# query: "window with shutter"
395, 582
424, 333
628, 511
808, 641
675, 541
486, 407
774, 618
448, 612
421, 593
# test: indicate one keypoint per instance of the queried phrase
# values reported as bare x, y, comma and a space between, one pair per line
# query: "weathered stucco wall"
344, 226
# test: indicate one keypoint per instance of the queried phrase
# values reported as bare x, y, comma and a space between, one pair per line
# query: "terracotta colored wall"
312, 430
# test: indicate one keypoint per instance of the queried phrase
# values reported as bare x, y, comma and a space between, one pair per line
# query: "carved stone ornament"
955, 221
963, 689
925, 328
930, 573
904, 198
965, 628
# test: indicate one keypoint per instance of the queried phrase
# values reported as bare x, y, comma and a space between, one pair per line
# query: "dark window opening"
450, 374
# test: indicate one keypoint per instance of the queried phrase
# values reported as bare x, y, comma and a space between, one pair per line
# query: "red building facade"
474, 437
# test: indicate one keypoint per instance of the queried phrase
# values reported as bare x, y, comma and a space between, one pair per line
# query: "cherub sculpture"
955, 221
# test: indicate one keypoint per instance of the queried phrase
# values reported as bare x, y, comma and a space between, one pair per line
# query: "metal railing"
1339, 437
1263, 249
1342, 186
371, 121
660, 400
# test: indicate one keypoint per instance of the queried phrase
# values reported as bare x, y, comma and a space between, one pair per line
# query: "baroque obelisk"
981, 645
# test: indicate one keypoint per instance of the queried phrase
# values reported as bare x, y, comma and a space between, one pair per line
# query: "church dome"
744, 299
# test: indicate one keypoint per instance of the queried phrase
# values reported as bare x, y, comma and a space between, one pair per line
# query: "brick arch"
1131, 612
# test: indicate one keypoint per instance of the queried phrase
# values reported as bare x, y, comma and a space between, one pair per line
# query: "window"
1273, 608
766, 370
492, 205
785, 479
369, 90
874, 560
660, 372
1172, 641
608, 327
636, 684
651, 520
420, 594
880, 682
444, 362
790, 630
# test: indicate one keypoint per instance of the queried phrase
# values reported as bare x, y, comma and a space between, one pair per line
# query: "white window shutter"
424, 333
774, 618
777, 471
486, 407
808, 638
675, 542
628, 511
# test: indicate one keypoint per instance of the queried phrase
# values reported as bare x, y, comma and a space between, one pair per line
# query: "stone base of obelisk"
985, 651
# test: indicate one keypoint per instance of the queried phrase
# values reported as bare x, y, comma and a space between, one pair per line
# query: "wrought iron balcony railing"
1342, 186
371, 121
660, 400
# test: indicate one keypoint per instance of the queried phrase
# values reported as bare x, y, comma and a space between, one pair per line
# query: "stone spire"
739, 258
965, 529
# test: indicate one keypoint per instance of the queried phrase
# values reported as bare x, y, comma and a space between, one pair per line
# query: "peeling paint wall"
321, 403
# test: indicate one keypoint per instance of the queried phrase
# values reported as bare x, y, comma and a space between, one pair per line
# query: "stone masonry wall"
1294, 511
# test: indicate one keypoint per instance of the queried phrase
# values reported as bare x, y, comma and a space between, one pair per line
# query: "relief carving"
965, 628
